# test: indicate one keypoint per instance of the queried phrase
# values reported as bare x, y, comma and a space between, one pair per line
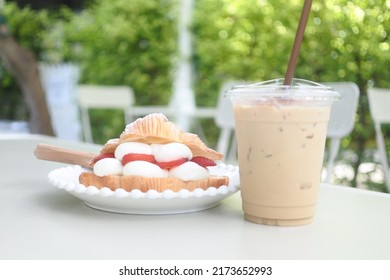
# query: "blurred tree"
22, 64
127, 42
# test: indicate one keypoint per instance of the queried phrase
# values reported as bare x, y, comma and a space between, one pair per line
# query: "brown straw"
297, 42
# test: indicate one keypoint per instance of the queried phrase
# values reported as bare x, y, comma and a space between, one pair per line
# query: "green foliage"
242, 40
27, 26
252, 40
127, 43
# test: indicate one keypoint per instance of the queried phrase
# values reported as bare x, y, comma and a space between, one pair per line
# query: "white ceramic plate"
151, 202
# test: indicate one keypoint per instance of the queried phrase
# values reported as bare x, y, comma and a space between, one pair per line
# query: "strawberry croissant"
152, 153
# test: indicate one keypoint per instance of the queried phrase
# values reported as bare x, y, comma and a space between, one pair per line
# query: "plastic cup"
281, 134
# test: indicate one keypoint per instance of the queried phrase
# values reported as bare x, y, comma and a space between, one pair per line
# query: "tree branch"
23, 66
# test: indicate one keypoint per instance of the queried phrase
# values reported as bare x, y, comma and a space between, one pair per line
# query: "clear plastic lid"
299, 90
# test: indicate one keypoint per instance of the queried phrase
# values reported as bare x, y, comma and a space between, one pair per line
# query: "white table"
39, 221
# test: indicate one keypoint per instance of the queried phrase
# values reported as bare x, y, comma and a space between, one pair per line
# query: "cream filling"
189, 171
170, 152
108, 166
162, 153
145, 169
132, 147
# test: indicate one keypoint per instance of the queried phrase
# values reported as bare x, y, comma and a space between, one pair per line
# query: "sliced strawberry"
203, 161
133, 157
171, 164
102, 156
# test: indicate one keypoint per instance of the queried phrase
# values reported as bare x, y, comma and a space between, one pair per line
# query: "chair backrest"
96, 96
224, 119
379, 102
102, 97
342, 120
224, 111
342, 116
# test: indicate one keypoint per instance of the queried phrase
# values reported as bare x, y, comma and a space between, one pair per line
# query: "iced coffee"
281, 134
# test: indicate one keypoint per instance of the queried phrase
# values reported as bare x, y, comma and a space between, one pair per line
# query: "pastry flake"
157, 129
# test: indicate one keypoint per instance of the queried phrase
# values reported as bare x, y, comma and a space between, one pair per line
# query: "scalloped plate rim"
151, 202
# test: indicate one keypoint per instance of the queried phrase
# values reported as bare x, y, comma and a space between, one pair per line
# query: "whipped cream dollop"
189, 171
108, 166
170, 152
145, 169
162, 153
132, 147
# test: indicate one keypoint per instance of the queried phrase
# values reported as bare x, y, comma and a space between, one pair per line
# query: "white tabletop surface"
39, 221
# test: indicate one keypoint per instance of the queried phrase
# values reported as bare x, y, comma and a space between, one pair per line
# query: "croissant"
155, 129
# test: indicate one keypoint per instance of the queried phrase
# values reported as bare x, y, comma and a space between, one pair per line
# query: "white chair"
224, 119
102, 97
342, 120
141, 111
379, 102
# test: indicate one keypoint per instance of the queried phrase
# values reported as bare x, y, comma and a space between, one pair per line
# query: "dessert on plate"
152, 153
